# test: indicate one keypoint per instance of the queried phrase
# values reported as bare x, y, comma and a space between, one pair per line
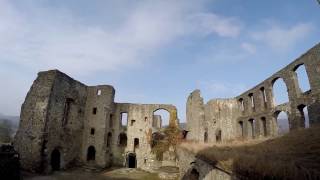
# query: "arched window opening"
206, 135
303, 109
136, 143
283, 122
241, 128
123, 139
160, 118
303, 79
251, 129
251, 100
91, 153
218, 136
124, 119
109, 139
55, 160
264, 95
241, 104
280, 92
264, 126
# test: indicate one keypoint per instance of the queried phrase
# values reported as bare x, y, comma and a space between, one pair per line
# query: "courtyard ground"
110, 174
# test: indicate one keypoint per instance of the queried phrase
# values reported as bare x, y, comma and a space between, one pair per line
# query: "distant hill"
8, 127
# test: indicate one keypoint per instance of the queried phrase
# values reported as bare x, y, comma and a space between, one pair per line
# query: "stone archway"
55, 160
173, 114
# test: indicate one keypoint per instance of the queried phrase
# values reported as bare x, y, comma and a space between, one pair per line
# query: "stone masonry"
66, 123
253, 114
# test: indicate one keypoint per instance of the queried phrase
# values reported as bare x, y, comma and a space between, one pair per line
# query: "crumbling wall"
195, 116
29, 138
46, 124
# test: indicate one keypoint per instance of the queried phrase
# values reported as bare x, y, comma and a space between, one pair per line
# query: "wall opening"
157, 137
283, 122
241, 104
218, 136
161, 118
91, 154
280, 91
92, 131
205, 136
94, 110
264, 126
131, 160
99, 92
241, 128
123, 140
264, 95
303, 109
251, 100
132, 122
251, 129
109, 139
136, 143
303, 79
124, 119
55, 160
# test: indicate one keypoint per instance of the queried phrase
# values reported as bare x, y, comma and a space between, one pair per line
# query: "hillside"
295, 155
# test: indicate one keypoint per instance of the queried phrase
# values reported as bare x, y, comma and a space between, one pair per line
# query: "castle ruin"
66, 123
253, 114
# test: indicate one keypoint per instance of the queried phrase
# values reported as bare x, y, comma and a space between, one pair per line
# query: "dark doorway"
55, 160
194, 175
132, 161
91, 155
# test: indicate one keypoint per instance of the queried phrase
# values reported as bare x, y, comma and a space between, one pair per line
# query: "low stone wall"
191, 167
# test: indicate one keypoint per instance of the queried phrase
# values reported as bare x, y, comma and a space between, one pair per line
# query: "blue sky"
152, 51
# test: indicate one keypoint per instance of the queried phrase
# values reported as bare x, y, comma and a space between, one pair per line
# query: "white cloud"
250, 48
41, 38
209, 23
217, 89
282, 38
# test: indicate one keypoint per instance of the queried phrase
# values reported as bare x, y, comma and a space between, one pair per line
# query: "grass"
295, 155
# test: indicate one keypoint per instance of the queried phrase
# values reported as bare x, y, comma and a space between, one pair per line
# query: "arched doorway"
282, 122
55, 160
131, 160
91, 154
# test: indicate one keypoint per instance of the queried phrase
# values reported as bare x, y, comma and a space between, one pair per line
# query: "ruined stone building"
66, 123
254, 113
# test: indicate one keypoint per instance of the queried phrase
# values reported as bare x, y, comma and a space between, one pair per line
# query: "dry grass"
293, 156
